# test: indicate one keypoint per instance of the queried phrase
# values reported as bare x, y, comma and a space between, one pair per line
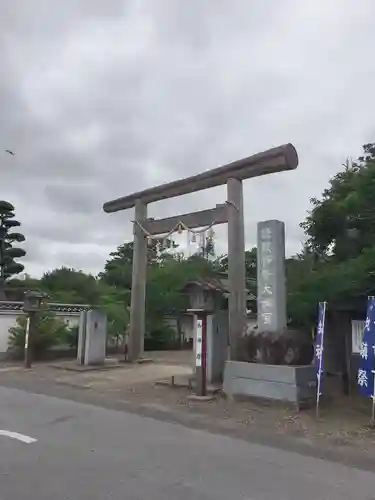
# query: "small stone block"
195, 397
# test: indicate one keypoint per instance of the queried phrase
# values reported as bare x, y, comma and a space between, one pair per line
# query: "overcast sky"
102, 98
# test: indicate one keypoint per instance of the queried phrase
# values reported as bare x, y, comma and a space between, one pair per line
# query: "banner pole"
320, 363
372, 421
366, 371
373, 401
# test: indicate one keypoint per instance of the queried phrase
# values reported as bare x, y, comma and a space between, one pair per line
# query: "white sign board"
198, 343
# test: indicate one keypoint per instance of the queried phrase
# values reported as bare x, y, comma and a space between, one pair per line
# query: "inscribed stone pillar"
92, 337
138, 293
271, 276
96, 337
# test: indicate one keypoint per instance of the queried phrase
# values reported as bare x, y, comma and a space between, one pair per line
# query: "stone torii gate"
268, 162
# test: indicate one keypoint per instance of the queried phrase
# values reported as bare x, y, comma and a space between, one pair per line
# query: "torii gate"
268, 162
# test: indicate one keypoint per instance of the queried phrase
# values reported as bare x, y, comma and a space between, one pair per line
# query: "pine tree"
8, 253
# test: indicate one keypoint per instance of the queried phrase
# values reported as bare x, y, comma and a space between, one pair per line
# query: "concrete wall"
338, 328
7, 320
343, 337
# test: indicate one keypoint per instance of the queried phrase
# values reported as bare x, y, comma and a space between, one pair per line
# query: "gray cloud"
100, 99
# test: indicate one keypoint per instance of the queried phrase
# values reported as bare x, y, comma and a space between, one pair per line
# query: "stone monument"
274, 361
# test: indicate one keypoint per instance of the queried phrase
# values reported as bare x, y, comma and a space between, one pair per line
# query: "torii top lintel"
268, 162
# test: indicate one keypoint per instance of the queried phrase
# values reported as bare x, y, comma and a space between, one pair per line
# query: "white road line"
19, 437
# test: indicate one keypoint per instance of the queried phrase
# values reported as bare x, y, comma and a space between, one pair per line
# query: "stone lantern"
205, 298
33, 301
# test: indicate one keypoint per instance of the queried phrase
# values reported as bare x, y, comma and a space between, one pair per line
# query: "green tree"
342, 223
70, 286
118, 268
221, 264
27, 283
114, 303
164, 295
165, 283
167, 272
8, 252
337, 262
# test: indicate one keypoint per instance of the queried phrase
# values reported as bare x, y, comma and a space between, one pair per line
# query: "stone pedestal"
92, 338
293, 384
217, 346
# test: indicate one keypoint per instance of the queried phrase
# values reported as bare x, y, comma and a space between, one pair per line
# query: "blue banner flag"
319, 349
365, 374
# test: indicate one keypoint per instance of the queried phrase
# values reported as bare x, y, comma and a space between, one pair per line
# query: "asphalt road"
91, 453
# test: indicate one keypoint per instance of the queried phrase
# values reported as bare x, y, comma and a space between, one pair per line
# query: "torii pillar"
138, 293
236, 263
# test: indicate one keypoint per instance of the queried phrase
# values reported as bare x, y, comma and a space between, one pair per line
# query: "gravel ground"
343, 422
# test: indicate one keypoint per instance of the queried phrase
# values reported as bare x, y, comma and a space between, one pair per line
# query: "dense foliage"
342, 223
338, 261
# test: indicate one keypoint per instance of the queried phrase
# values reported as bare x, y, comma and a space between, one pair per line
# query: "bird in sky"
10, 152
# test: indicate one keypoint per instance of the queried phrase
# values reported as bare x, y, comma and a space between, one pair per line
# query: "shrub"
158, 338
49, 332
71, 338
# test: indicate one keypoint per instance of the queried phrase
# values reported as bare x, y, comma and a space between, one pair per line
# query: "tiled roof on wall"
61, 308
